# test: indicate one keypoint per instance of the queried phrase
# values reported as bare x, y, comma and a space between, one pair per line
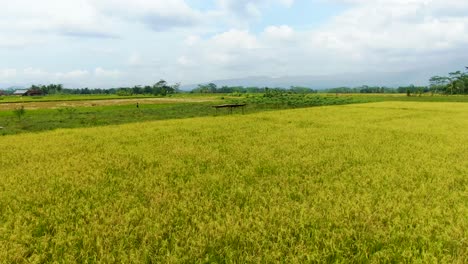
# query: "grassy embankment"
383, 182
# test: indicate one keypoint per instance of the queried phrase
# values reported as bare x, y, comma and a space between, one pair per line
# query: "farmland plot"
380, 182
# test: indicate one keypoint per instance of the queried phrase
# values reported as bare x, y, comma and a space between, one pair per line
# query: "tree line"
213, 88
379, 89
455, 83
161, 88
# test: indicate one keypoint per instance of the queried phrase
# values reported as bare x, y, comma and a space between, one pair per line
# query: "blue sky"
111, 43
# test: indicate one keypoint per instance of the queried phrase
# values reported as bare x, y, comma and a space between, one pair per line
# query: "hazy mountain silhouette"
326, 81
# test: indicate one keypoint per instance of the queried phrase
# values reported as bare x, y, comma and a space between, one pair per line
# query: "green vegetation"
276, 99
67, 97
75, 117
455, 83
161, 88
290, 100
212, 88
108, 113
380, 182
19, 112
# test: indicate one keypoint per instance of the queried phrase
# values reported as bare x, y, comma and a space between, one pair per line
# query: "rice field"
101, 102
378, 182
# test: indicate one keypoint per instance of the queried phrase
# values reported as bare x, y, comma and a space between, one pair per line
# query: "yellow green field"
378, 182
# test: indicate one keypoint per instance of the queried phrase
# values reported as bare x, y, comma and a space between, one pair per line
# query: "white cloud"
93, 18
287, 3
234, 39
377, 35
76, 74
135, 59
7, 73
173, 40
28, 76
279, 32
192, 40
252, 10
394, 26
32, 72
73, 18
100, 72
389, 35
12, 41
184, 61
248, 9
159, 15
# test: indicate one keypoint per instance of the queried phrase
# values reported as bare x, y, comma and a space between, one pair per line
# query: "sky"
116, 43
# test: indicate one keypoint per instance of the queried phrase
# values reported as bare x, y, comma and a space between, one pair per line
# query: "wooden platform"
230, 106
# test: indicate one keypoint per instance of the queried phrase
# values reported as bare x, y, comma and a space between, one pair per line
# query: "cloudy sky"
108, 43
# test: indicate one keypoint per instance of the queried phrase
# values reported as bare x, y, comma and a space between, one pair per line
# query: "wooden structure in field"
30, 92
20, 92
230, 106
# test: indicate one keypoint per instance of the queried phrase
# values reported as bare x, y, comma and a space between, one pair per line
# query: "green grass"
381, 182
84, 97
52, 98
374, 97
36, 120
75, 117
415, 98
286, 100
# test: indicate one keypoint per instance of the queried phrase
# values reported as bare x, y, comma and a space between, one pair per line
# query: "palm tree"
59, 88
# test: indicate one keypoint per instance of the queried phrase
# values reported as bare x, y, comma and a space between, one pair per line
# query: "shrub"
19, 112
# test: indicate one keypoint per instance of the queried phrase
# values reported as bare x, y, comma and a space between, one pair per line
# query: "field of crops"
41, 116
61, 111
377, 182
65, 97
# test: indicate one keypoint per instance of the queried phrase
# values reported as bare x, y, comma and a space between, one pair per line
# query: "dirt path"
90, 103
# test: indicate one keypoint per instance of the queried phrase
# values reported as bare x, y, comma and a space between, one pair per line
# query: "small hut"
30, 92
20, 92
34, 92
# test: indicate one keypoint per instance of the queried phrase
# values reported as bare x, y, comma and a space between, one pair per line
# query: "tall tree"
176, 88
161, 88
455, 78
438, 83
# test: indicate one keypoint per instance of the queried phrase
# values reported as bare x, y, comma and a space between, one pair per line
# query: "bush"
19, 112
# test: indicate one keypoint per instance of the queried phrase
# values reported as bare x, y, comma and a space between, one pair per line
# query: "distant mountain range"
15, 88
394, 79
